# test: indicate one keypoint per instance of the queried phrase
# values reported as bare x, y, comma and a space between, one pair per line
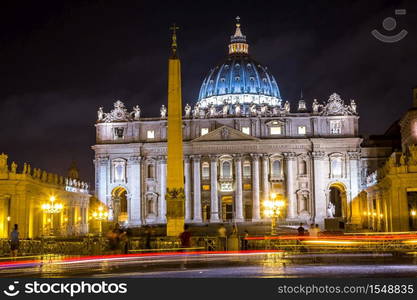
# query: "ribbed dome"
239, 79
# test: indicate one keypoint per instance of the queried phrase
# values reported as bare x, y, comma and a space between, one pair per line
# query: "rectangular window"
246, 130
204, 131
275, 130
118, 132
205, 170
246, 169
206, 187
301, 130
150, 134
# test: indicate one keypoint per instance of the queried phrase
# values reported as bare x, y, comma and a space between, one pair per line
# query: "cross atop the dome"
174, 45
237, 21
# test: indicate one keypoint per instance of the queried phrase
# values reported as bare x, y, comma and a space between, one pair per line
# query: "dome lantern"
238, 43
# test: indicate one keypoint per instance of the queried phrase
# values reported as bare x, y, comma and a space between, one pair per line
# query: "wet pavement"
207, 264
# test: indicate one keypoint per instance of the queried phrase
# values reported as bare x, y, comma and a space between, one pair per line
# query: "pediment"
225, 133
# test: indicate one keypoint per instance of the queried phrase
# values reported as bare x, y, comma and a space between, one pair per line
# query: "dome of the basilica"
239, 79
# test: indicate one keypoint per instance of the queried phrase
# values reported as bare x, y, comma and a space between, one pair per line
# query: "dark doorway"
248, 212
412, 210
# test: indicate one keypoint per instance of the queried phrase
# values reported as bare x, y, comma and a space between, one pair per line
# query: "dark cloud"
60, 60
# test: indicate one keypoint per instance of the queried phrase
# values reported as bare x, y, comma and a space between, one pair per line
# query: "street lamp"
273, 210
52, 208
100, 215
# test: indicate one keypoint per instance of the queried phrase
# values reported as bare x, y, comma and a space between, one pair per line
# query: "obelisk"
175, 166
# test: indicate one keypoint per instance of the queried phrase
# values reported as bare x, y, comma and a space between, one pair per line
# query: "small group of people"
118, 240
185, 237
313, 231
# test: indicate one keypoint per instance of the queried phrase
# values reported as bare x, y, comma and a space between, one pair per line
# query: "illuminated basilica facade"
242, 142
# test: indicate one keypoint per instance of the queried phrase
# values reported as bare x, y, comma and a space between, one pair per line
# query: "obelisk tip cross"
174, 45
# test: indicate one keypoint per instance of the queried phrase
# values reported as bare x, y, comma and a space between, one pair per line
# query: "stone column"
319, 189
101, 182
289, 178
134, 183
239, 191
162, 205
353, 204
265, 176
214, 206
256, 208
197, 188
187, 189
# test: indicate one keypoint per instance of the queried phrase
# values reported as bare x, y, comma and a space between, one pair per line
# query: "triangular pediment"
225, 133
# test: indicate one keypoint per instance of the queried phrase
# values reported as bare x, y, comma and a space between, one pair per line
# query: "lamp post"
272, 209
100, 215
52, 208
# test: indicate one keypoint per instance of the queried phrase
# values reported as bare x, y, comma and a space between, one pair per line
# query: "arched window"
151, 171
247, 169
226, 169
336, 167
276, 168
205, 170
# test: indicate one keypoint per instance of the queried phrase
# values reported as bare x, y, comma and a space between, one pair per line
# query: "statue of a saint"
196, 110
25, 168
187, 110
237, 109
136, 113
353, 106
275, 111
13, 167
163, 111
253, 109
100, 114
316, 106
212, 111
287, 107
263, 109
225, 109
330, 210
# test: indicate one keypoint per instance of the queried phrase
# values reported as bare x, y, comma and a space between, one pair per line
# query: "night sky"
60, 61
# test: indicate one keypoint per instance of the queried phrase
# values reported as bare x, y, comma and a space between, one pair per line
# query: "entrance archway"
119, 204
337, 197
